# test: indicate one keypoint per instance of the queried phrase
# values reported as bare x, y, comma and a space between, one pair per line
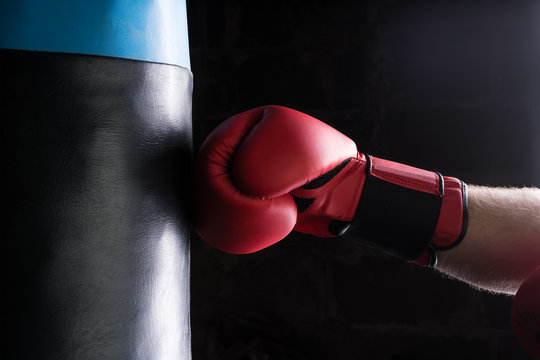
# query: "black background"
452, 86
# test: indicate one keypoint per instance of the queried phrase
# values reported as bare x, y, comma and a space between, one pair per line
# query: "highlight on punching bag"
97, 143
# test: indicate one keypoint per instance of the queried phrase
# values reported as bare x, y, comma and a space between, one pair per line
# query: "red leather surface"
225, 216
450, 219
525, 315
336, 200
250, 166
285, 150
246, 169
406, 176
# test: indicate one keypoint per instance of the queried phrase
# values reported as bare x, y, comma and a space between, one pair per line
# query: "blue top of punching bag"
149, 30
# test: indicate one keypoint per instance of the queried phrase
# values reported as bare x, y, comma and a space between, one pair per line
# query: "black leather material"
394, 219
96, 241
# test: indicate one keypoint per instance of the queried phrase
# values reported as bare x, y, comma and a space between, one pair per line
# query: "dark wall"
451, 86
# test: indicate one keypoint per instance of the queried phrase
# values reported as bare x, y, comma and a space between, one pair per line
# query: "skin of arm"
502, 244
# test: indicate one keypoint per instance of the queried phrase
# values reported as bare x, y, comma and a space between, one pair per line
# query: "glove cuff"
409, 212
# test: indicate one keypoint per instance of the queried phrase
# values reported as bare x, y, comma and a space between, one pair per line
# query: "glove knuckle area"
222, 143
285, 151
235, 222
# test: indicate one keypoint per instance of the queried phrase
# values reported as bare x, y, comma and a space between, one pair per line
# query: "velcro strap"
398, 212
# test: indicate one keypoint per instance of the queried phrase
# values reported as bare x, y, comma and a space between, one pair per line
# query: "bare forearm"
502, 245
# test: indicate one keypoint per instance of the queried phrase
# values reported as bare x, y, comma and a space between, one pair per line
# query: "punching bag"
96, 142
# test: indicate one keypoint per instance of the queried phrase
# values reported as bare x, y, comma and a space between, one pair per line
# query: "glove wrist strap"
408, 212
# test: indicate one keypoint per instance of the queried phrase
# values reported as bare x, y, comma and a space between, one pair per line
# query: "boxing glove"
270, 170
525, 314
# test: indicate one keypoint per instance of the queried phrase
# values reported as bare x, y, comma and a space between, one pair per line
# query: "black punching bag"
96, 139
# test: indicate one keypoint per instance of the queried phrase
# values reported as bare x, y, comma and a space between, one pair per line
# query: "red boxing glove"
525, 314
270, 170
